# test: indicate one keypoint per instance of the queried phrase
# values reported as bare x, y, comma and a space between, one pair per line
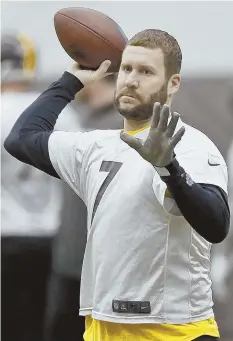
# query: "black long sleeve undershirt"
204, 206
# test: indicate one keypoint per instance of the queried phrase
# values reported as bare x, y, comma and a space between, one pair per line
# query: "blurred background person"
98, 111
30, 203
93, 109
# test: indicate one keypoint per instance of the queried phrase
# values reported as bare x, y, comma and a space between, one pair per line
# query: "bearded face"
141, 82
135, 107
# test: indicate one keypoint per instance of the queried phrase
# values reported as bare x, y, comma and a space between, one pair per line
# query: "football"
90, 37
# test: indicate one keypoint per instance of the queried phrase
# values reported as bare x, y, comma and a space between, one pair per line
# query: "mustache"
128, 93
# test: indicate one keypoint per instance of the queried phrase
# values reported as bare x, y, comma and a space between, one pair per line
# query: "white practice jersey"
30, 199
137, 249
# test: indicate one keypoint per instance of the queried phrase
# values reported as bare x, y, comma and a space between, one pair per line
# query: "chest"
117, 177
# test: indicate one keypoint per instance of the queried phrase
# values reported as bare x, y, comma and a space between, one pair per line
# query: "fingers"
133, 142
103, 68
156, 115
177, 137
172, 125
162, 126
160, 119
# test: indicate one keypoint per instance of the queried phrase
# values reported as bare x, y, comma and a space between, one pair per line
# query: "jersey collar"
143, 133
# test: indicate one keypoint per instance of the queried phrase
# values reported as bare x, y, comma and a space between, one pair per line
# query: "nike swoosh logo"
213, 164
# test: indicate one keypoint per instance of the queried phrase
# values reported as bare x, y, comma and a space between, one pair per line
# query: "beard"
144, 110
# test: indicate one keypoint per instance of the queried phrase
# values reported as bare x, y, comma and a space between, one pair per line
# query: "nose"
131, 80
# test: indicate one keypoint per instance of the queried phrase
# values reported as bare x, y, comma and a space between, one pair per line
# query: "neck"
131, 125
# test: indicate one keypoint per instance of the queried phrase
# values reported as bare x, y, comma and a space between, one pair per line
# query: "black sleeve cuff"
171, 170
177, 175
174, 168
71, 83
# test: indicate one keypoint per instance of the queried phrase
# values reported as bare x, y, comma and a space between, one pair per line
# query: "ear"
173, 85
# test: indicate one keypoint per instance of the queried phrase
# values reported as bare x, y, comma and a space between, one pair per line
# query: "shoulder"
195, 140
83, 140
97, 136
103, 135
201, 159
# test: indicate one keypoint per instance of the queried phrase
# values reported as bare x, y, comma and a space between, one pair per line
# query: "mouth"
128, 100
128, 96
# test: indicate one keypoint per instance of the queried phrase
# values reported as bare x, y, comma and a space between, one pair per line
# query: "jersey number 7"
112, 167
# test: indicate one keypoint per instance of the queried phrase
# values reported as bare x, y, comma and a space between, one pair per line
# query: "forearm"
28, 139
204, 206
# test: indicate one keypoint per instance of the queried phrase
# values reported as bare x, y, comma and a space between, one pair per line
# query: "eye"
126, 68
146, 72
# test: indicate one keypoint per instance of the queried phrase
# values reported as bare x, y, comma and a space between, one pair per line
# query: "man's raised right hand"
89, 76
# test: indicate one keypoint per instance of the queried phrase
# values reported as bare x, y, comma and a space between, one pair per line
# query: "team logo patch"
188, 179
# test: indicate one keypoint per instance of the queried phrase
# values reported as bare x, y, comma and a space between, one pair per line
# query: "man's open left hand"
158, 148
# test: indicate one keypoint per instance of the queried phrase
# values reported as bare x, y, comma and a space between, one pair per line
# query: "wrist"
70, 81
173, 168
79, 77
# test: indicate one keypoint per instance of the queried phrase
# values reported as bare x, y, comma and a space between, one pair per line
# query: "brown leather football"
90, 37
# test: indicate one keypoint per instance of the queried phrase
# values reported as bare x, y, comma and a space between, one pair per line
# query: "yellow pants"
107, 331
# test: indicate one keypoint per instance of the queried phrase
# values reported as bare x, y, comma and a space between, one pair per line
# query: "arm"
28, 139
204, 206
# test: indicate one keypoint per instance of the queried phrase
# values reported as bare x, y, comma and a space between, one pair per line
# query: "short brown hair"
152, 38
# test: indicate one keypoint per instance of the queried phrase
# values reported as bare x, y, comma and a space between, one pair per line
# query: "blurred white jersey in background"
30, 199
